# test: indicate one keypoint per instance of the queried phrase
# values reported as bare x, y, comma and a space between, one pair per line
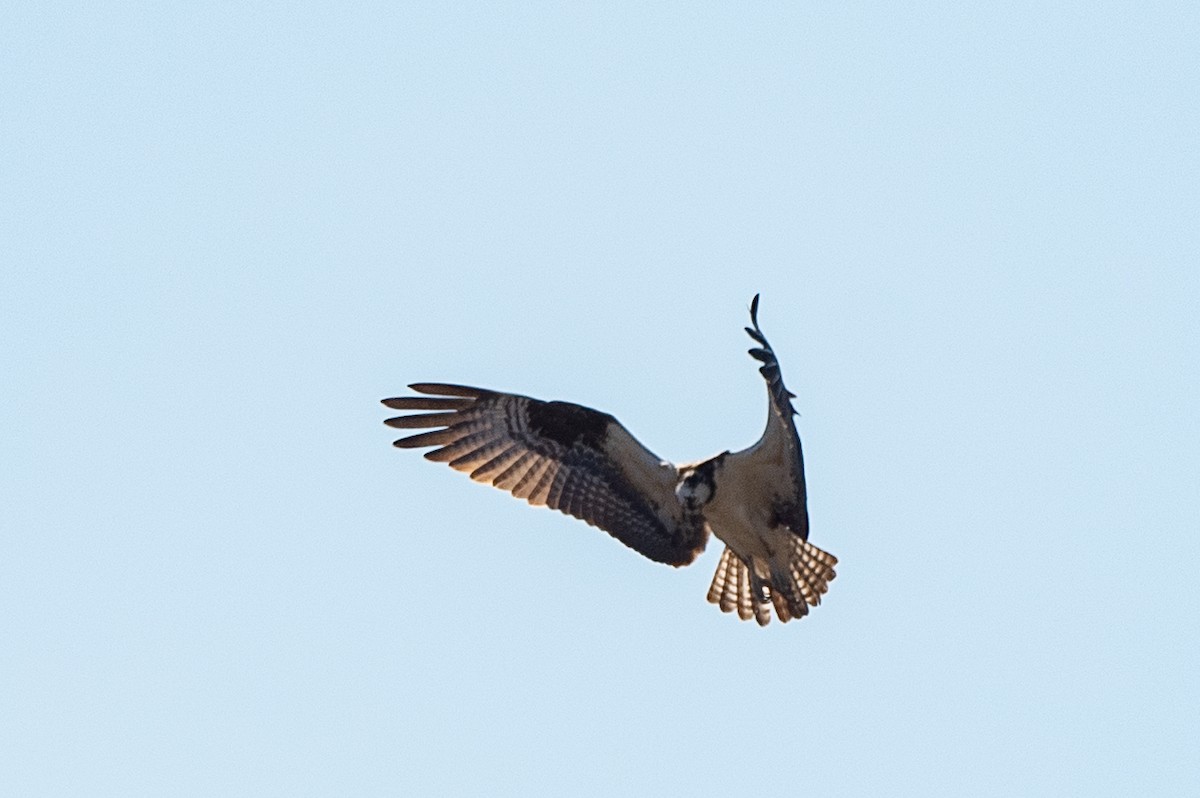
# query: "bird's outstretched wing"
781, 397
565, 456
780, 441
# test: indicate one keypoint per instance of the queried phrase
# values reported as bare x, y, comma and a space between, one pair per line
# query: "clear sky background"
226, 232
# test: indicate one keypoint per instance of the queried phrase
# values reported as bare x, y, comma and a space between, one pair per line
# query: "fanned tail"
802, 580
730, 590
794, 584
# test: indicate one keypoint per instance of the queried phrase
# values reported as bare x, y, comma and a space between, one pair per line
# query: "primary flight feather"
584, 463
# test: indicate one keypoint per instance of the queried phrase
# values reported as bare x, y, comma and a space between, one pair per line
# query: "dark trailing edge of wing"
770, 368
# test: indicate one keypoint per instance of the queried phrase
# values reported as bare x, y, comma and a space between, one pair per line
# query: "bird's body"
585, 463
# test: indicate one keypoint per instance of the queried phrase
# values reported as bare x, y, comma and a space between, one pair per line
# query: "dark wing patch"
792, 514
557, 454
566, 423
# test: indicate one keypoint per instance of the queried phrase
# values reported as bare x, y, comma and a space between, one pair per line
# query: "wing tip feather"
446, 389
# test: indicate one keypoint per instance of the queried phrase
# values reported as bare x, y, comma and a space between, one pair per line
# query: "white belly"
742, 511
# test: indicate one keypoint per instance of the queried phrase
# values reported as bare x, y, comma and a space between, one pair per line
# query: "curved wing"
561, 455
781, 397
780, 441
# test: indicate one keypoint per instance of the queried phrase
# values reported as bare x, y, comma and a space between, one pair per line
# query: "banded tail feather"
793, 586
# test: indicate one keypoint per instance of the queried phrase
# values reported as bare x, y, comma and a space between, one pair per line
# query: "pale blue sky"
227, 232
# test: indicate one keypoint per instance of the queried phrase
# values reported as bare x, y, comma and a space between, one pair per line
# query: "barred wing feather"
561, 455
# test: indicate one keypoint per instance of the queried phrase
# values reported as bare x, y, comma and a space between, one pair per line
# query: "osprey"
584, 463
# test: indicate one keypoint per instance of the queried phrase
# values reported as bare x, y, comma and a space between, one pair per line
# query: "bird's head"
697, 484
694, 489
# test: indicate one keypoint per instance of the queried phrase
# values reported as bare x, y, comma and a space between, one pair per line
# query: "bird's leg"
758, 588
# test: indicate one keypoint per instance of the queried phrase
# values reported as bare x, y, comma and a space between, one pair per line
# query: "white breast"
750, 485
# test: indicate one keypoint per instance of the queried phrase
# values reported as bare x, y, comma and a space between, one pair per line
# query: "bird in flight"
584, 463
